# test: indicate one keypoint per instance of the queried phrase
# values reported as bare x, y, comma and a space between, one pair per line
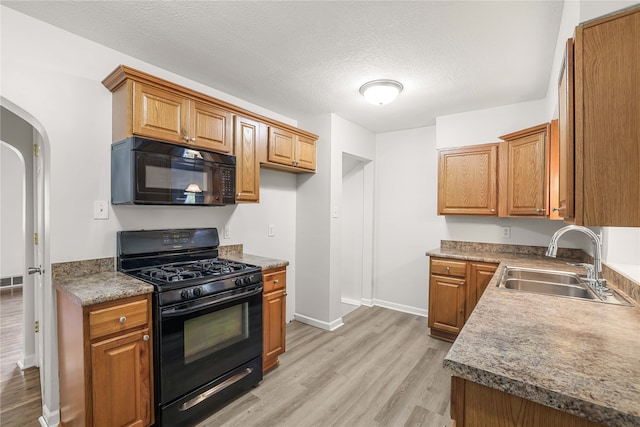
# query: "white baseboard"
350, 301
327, 326
27, 362
400, 307
367, 302
49, 418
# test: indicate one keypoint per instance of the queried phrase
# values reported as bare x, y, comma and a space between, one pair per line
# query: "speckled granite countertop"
236, 253
101, 287
578, 356
94, 281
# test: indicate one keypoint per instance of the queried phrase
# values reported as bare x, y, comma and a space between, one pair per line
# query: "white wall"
621, 246
56, 77
406, 220
487, 125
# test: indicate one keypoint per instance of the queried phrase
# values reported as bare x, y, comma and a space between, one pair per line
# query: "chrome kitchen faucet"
593, 271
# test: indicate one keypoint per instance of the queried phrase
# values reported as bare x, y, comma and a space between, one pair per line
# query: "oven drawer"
274, 280
118, 318
448, 267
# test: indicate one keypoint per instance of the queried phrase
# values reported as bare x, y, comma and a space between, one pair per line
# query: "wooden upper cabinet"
524, 173
305, 152
290, 151
467, 180
211, 127
151, 107
159, 114
566, 171
607, 120
247, 134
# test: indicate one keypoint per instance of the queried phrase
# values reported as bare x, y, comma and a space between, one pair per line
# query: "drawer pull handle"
145, 338
123, 319
276, 281
447, 268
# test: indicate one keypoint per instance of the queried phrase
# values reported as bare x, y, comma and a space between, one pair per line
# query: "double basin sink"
558, 283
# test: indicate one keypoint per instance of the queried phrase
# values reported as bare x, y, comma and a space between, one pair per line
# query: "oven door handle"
174, 312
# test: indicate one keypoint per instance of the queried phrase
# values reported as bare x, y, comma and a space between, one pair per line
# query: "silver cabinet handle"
556, 209
186, 137
123, 319
493, 210
540, 210
447, 268
276, 281
145, 338
193, 139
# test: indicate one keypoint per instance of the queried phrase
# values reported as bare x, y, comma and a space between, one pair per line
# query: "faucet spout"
597, 246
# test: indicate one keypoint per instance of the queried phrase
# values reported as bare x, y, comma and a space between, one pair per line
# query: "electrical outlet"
271, 230
100, 209
227, 232
506, 232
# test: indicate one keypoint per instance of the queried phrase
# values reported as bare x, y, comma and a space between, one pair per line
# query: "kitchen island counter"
577, 356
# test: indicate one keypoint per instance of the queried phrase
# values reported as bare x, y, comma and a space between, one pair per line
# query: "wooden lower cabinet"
475, 405
454, 289
105, 362
274, 312
480, 274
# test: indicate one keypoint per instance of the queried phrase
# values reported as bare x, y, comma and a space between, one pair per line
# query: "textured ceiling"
304, 58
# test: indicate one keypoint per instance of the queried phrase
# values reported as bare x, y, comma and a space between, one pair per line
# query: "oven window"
175, 179
212, 332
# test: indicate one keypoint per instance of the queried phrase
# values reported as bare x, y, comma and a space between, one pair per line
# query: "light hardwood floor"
20, 401
380, 369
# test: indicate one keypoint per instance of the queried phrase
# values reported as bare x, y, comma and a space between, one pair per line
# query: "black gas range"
207, 320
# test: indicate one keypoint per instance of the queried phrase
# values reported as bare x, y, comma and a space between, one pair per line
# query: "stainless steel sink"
560, 289
560, 277
557, 283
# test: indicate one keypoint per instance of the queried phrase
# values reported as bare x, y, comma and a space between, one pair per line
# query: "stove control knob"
185, 294
238, 282
197, 292
247, 280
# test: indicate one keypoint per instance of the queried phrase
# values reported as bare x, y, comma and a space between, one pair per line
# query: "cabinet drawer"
117, 318
448, 267
275, 280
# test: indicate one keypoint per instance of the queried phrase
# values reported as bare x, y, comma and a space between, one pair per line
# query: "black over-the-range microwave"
149, 172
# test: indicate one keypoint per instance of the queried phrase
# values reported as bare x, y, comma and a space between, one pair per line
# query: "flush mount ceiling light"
380, 92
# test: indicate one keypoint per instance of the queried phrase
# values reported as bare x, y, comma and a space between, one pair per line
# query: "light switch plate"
100, 209
227, 232
271, 230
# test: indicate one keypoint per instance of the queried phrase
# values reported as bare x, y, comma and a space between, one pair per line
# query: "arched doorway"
39, 341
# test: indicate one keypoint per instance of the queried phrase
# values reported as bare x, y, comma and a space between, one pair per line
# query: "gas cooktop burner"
192, 270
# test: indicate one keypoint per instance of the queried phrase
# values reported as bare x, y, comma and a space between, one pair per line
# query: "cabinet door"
305, 153
122, 384
159, 114
281, 146
607, 117
247, 166
211, 127
467, 180
526, 178
446, 304
565, 136
480, 274
274, 310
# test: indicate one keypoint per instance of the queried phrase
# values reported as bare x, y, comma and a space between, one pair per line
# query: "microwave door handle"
174, 312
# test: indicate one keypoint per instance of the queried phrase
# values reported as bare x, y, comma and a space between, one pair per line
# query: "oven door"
204, 339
